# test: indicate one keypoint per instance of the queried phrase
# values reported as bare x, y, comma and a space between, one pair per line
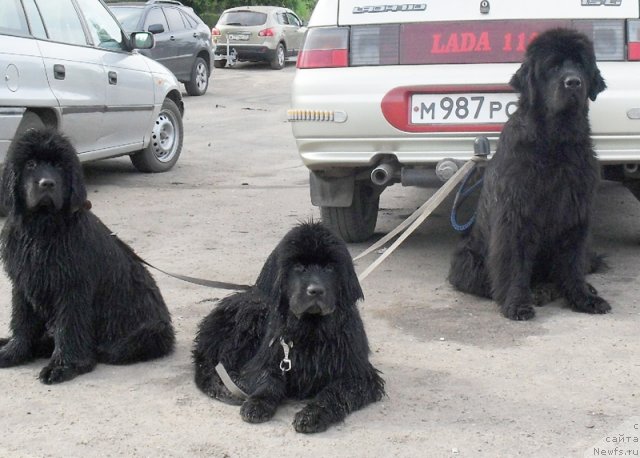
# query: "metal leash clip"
285, 364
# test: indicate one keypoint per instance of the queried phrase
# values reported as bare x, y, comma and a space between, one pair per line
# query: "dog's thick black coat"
80, 295
534, 209
306, 294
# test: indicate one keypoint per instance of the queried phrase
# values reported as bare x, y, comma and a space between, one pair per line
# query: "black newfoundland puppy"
534, 209
296, 334
80, 295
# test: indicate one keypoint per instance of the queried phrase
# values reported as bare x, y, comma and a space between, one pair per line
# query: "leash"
200, 281
461, 196
194, 280
285, 366
481, 151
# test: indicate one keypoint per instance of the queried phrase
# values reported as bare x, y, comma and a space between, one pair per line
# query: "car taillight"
607, 36
325, 47
215, 32
633, 37
266, 33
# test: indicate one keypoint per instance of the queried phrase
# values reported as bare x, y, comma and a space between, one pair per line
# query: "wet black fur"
79, 294
534, 209
330, 364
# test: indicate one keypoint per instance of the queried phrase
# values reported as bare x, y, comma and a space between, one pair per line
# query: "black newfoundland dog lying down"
296, 334
534, 210
80, 295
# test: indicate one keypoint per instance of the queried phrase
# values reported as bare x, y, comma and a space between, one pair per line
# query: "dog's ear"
270, 279
9, 183
597, 84
78, 191
350, 290
521, 81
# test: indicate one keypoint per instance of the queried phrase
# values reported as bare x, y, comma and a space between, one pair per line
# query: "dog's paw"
12, 353
257, 410
592, 304
519, 312
311, 419
56, 372
545, 293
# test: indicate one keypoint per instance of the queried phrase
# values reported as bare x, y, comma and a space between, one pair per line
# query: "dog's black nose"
572, 82
315, 290
46, 183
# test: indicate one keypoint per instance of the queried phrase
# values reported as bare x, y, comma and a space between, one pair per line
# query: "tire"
165, 146
355, 223
220, 63
278, 60
199, 78
29, 121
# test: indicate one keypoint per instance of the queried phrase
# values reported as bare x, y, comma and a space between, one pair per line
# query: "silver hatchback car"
68, 64
257, 34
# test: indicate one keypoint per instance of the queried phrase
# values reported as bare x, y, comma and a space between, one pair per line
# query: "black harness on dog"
285, 366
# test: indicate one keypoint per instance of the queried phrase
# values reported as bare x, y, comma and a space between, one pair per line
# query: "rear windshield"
243, 18
129, 16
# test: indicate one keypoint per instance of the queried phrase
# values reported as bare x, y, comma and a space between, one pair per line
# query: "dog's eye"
329, 268
299, 268
31, 164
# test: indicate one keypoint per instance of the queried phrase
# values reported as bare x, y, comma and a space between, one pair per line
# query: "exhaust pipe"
631, 168
383, 174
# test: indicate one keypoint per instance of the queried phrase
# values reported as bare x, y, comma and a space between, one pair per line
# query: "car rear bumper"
362, 135
245, 52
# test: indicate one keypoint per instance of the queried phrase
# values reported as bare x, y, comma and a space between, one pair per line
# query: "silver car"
385, 92
257, 34
68, 64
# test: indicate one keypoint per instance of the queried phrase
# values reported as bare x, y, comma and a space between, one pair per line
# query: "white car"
384, 93
68, 64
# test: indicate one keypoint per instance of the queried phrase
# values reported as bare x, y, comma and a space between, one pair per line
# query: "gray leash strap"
481, 151
231, 386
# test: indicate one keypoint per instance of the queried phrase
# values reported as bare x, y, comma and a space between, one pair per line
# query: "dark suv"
183, 41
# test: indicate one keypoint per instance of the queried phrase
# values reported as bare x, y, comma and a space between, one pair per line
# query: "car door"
294, 32
164, 50
129, 92
74, 72
182, 39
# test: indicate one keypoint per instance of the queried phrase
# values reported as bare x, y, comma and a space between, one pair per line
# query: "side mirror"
156, 28
142, 40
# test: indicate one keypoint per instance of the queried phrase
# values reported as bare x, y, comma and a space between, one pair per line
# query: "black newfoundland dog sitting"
534, 210
296, 334
80, 295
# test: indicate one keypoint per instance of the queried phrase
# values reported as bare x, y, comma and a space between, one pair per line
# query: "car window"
12, 20
293, 20
104, 30
190, 23
174, 18
243, 18
128, 16
282, 18
155, 16
62, 22
34, 18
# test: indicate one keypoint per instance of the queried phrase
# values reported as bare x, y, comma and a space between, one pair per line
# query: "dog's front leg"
511, 258
26, 327
74, 348
262, 404
334, 402
570, 274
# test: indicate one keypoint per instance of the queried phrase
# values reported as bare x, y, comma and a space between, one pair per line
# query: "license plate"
463, 108
238, 36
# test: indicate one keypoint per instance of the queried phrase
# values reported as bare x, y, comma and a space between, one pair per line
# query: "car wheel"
277, 63
29, 121
199, 78
220, 63
357, 222
165, 145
